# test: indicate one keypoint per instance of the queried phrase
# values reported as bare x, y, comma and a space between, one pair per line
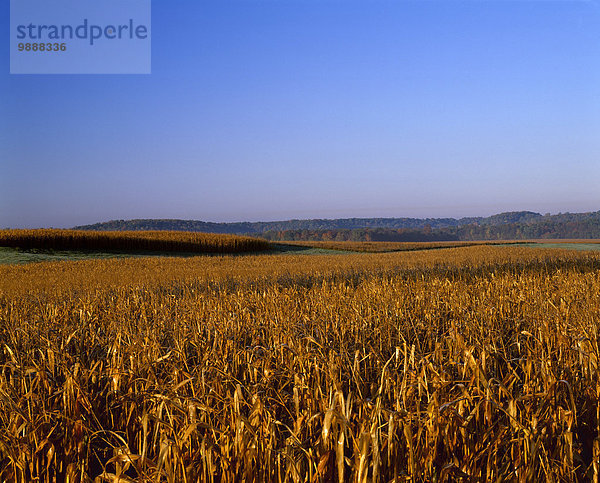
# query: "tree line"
517, 225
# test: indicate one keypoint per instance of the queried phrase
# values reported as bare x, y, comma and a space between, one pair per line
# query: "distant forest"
517, 225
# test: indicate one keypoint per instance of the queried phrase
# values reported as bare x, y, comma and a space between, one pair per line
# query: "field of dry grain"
382, 247
167, 241
478, 363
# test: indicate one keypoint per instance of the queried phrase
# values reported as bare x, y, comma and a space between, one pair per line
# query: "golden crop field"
169, 241
380, 247
473, 363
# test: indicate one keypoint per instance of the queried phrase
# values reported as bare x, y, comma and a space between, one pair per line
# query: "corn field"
464, 364
382, 246
169, 241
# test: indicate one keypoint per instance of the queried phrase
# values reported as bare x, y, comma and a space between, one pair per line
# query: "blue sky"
279, 109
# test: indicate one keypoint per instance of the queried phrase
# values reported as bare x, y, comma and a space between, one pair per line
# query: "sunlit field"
477, 363
381, 247
170, 241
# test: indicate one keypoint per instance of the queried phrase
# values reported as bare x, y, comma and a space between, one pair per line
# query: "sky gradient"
278, 109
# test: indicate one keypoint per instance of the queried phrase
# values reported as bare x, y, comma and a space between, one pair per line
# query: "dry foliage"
381, 246
170, 241
476, 363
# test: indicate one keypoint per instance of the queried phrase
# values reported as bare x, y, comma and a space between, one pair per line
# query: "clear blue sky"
269, 110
